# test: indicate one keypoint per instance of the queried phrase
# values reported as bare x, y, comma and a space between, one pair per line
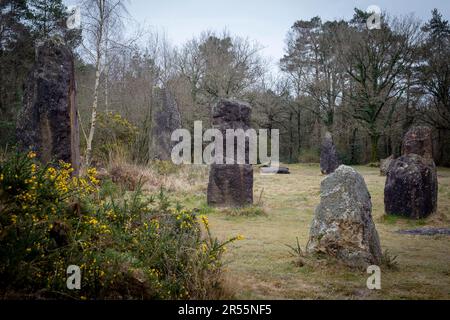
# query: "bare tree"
375, 62
101, 17
220, 65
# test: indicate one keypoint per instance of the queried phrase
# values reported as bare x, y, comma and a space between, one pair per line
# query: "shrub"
114, 135
128, 177
134, 247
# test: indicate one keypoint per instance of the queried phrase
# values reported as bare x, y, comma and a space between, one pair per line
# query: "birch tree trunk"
101, 21
88, 155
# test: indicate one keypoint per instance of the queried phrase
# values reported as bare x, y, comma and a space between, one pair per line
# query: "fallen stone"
275, 170
426, 231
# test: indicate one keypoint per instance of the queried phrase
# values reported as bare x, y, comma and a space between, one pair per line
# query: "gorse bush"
114, 136
35, 220
135, 247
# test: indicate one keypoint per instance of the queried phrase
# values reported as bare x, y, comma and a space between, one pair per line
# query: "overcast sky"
266, 21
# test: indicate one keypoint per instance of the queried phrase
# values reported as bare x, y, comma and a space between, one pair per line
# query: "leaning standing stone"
167, 119
329, 159
231, 185
342, 226
48, 122
411, 187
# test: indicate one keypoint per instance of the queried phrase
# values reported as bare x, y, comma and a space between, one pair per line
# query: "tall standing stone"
329, 160
342, 226
48, 122
230, 185
411, 188
167, 118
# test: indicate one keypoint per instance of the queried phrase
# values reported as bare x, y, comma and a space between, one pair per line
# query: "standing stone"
48, 122
329, 159
385, 164
167, 119
418, 140
342, 226
231, 185
411, 188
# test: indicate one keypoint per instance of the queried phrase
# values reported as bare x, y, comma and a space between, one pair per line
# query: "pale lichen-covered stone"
385, 164
342, 226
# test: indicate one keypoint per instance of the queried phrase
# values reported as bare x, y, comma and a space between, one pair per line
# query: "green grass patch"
248, 211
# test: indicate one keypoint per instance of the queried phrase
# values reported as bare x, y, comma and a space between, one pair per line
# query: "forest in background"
367, 87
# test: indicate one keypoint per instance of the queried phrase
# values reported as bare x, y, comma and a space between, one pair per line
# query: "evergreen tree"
48, 17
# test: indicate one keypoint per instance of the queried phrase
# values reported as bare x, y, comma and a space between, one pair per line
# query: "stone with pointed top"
329, 160
48, 122
342, 226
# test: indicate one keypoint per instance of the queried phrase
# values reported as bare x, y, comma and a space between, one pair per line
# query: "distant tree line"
366, 87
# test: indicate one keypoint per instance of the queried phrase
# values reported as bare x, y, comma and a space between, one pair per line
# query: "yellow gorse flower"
31, 155
205, 220
93, 221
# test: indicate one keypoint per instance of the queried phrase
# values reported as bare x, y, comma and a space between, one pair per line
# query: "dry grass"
261, 267
182, 179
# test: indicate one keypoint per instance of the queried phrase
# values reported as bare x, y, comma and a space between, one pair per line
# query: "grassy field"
261, 267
